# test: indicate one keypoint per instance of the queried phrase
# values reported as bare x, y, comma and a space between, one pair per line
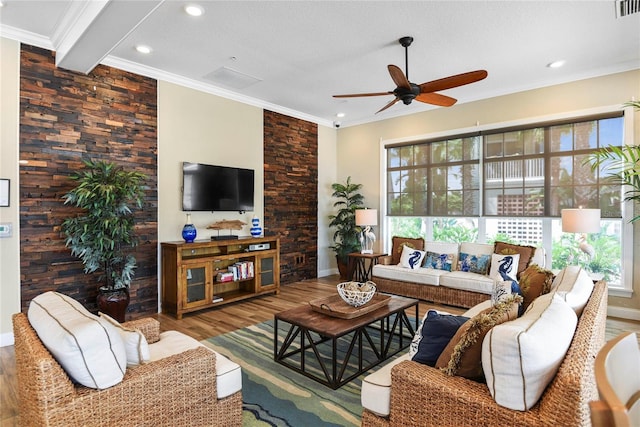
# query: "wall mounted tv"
216, 188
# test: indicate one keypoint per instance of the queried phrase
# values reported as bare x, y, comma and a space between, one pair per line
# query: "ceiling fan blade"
398, 77
453, 81
352, 95
436, 99
390, 104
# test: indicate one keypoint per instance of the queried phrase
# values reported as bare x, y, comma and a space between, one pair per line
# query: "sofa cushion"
444, 248
534, 281
423, 276
574, 286
468, 282
228, 373
411, 258
135, 343
504, 267
433, 335
399, 242
526, 253
463, 354
87, 347
375, 394
521, 357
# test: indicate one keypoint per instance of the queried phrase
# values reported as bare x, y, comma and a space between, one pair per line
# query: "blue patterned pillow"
411, 258
438, 261
474, 263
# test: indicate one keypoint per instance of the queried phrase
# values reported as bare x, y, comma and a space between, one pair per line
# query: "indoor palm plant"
622, 164
102, 236
345, 238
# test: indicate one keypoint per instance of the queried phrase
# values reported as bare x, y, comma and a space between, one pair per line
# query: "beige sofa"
458, 288
407, 393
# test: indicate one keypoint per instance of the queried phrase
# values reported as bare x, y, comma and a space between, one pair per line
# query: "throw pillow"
433, 336
474, 263
463, 355
505, 266
501, 290
525, 252
411, 258
398, 243
534, 281
438, 261
135, 343
87, 347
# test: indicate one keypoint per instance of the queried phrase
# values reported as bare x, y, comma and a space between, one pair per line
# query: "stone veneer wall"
291, 193
66, 116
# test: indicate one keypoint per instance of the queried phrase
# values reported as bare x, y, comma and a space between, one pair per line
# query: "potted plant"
623, 165
345, 238
102, 236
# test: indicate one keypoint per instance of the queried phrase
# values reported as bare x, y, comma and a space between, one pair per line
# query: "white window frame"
626, 287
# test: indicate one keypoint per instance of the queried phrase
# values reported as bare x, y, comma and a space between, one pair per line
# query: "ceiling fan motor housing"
407, 95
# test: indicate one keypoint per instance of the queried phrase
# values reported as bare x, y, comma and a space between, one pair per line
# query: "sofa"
408, 393
107, 374
450, 286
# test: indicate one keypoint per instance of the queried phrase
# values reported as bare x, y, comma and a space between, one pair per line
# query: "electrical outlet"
6, 229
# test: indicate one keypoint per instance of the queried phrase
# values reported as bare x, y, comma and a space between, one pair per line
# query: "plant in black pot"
102, 236
346, 237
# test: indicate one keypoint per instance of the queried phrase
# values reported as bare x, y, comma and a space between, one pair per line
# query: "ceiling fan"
407, 91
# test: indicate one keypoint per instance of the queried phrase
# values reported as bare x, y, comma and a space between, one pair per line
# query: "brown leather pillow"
526, 253
397, 244
463, 355
534, 281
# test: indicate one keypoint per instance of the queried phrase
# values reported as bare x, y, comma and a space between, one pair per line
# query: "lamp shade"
580, 220
366, 217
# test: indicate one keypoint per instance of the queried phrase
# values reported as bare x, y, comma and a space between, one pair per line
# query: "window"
511, 184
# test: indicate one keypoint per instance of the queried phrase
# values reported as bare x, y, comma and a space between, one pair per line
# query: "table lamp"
582, 221
367, 218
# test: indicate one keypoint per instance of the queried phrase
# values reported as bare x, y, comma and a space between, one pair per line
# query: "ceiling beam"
91, 30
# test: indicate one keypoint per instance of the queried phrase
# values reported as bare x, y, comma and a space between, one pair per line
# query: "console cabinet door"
268, 271
196, 284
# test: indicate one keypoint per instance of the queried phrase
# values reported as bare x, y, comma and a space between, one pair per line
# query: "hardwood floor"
208, 323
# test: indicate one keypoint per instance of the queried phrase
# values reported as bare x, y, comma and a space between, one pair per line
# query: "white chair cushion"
468, 281
521, 357
574, 285
87, 347
376, 388
476, 248
135, 343
228, 373
423, 276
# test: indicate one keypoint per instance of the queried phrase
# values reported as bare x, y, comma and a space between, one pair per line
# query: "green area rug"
274, 395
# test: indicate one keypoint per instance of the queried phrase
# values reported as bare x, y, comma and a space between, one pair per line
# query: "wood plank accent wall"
65, 116
291, 193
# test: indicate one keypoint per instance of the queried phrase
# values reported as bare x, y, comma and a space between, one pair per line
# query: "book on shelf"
217, 299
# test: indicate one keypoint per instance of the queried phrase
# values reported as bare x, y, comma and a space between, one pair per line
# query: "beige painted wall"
612, 90
327, 172
10, 246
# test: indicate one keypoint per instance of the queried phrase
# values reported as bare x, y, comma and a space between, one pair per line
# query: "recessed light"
340, 115
143, 49
556, 64
194, 10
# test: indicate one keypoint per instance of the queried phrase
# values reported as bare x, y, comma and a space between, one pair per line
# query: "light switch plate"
6, 229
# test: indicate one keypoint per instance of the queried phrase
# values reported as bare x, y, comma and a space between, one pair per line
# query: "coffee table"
365, 340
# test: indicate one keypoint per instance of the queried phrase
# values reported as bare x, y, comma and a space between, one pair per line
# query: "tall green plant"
345, 238
103, 234
622, 164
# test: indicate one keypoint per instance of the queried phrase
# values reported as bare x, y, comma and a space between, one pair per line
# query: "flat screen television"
216, 188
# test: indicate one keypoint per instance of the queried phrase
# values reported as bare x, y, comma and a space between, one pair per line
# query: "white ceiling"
303, 52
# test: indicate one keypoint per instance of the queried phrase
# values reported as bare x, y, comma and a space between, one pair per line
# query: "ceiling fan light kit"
406, 91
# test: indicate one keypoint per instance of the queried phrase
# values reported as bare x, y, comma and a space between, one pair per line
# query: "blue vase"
189, 231
256, 230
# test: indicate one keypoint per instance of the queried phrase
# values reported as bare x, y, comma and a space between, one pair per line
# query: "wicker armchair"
176, 391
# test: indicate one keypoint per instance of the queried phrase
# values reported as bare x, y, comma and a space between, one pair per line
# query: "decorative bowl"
356, 293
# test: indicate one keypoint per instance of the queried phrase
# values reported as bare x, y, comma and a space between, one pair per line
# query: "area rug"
274, 395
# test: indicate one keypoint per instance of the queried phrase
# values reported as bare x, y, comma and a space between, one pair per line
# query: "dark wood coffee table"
379, 334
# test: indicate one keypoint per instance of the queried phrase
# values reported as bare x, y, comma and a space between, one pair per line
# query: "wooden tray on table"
335, 306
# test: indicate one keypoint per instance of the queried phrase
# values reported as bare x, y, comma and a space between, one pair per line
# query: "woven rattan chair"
617, 370
176, 391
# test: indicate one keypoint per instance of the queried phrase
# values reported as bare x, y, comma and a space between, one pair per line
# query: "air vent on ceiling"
232, 78
627, 7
